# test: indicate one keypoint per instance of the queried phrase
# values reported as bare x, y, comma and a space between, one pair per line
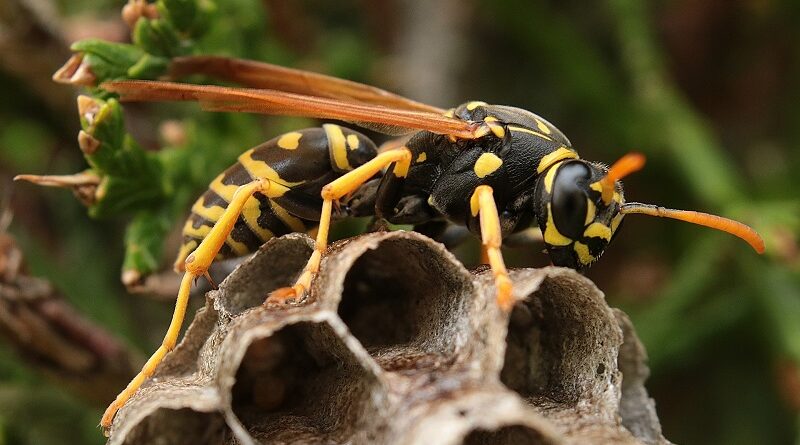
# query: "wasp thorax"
576, 223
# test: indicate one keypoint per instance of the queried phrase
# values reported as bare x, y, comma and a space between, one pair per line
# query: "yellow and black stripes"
297, 164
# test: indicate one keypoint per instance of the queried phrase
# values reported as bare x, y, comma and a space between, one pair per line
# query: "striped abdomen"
299, 163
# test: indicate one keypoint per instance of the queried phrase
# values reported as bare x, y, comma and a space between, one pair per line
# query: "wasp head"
581, 205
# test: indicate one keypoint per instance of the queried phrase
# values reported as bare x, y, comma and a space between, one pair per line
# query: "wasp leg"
482, 203
196, 266
347, 183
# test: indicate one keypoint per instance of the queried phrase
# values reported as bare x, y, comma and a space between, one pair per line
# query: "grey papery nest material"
397, 344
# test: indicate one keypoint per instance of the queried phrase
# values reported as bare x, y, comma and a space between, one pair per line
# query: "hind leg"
196, 266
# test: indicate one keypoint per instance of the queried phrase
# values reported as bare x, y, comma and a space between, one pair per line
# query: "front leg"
482, 203
400, 159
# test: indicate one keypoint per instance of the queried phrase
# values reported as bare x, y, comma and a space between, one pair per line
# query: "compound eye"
568, 201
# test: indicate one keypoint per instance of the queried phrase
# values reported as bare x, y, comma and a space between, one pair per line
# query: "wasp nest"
397, 344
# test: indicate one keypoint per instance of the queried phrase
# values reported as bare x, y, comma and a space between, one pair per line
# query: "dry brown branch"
397, 344
54, 339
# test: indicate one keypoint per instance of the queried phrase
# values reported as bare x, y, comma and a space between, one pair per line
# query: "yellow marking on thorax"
496, 128
584, 255
555, 156
290, 141
549, 177
250, 214
475, 104
450, 113
421, 158
292, 222
591, 212
337, 145
529, 131
260, 169
551, 234
487, 164
598, 230
542, 126
352, 141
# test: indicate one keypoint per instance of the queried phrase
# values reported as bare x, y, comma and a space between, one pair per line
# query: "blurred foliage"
708, 90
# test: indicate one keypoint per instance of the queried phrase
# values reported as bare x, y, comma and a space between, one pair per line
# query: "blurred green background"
709, 91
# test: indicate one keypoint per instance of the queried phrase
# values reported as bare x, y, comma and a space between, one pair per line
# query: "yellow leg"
343, 185
482, 203
196, 266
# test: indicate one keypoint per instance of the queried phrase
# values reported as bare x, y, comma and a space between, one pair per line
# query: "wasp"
494, 169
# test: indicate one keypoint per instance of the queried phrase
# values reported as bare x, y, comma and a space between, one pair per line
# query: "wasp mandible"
494, 169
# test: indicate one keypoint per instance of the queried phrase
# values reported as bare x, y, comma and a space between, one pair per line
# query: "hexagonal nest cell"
397, 343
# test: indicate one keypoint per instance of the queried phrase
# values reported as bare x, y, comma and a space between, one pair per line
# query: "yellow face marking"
475, 104
596, 186
224, 191
529, 131
549, 177
616, 221
555, 156
591, 211
551, 234
487, 164
598, 230
583, 253
290, 220
450, 112
260, 169
337, 146
352, 141
542, 127
290, 141
421, 158
250, 213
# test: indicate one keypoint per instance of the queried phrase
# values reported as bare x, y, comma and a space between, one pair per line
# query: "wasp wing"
217, 98
274, 77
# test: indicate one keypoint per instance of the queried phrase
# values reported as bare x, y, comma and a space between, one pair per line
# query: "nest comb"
397, 344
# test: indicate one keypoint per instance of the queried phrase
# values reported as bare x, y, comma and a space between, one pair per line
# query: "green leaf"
144, 241
181, 13
157, 37
108, 60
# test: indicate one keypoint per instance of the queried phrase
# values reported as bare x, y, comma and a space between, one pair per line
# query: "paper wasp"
493, 169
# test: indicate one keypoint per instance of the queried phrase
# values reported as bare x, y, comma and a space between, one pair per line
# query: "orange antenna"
630, 163
702, 219
626, 165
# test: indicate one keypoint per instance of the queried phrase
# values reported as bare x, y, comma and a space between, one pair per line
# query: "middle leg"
482, 204
333, 191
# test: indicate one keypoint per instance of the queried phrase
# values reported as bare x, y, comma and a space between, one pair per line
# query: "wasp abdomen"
298, 164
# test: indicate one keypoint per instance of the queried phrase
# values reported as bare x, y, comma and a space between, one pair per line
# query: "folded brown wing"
274, 77
265, 101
